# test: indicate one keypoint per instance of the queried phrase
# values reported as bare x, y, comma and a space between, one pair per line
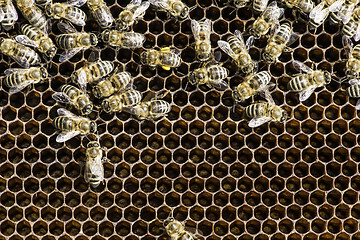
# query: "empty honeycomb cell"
15, 214
40, 228
300, 54
181, 127
23, 141
334, 225
48, 214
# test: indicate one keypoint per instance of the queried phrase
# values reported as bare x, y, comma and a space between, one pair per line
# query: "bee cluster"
99, 87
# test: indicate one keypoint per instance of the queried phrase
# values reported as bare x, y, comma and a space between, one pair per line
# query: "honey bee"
68, 11
94, 169
150, 108
72, 95
73, 41
33, 14
122, 39
132, 13
253, 84
308, 82
321, 11
165, 57
35, 37
91, 73
258, 5
71, 125
342, 10
174, 7
19, 78
21, 54
237, 49
277, 43
117, 102
8, 14
176, 230
211, 75
354, 91
352, 28
304, 6
353, 61
118, 81
268, 19
101, 12
262, 112
201, 32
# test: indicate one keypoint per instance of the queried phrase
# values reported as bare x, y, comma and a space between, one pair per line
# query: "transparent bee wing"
249, 42
357, 105
299, 66
357, 34
104, 15
21, 61
67, 54
141, 9
63, 137
225, 46
240, 37
66, 27
2, 15
61, 97
263, 4
217, 56
220, 85
255, 122
316, 9
15, 70
77, 3
336, 6
321, 15
160, 4
348, 45
19, 87
292, 39
25, 40
305, 94
347, 13
149, 96
135, 2
10, 10
82, 80
354, 82
67, 113
195, 28
132, 110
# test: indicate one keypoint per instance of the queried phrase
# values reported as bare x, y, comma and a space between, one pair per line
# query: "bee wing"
299, 66
249, 42
195, 28
160, 4
63, 137
22, 61
357, 34
67, 113
2, 15
66, 27
61, 97
348, 45
11, 11
19, 87
15, 70
135, 2
255, 122
25, 40
67, 54
141, 9
77, 3
292, 39
240, 37
357, 105
225, 46
131, 110
263, 4
354, 82
82, 80
87, 172
305, 94
321, 15
336, 6
220, 85
347, 13
316, 9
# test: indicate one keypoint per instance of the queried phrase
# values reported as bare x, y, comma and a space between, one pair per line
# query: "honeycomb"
201, 164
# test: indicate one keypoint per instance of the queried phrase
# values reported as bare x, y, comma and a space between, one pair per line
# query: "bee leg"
294, 13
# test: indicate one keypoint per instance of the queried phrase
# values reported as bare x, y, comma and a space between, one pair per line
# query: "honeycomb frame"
201, 164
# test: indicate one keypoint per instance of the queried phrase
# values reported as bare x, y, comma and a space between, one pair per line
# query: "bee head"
93, 39
327, 77
105, 35
44, 72
239, 3
184, 12
350, 74
92, 127
74, 77
284, 116
254, 33
48, 9
106, 106
268, 58
236, 95
93, 144
192, 78
87, 109
51, 53
2, 40
121, 25
168, 221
